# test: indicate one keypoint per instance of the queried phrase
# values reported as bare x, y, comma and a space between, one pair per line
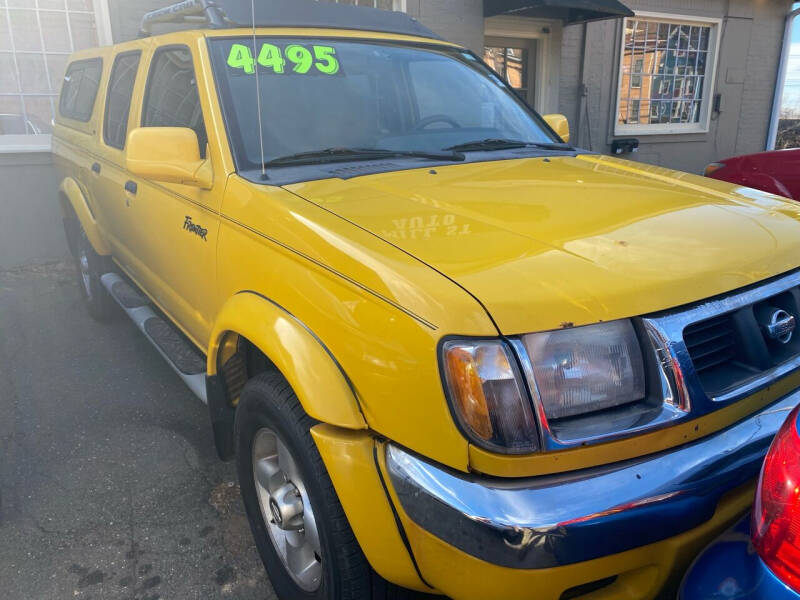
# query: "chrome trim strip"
555, 520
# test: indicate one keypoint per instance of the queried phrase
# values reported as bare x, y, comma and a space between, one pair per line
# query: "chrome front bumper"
556, 520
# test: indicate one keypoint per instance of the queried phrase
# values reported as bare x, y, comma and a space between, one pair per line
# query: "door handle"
96, 168
131, 187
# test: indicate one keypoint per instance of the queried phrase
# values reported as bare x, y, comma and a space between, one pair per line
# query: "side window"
118, 99
172, 99
79, 90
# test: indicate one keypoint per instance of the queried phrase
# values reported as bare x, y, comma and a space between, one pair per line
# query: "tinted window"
118, 101
172, 99
79, 90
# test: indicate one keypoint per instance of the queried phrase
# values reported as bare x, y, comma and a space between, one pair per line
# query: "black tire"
268, 401
90, 266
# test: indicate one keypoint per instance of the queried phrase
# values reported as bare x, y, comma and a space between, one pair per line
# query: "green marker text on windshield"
293, 58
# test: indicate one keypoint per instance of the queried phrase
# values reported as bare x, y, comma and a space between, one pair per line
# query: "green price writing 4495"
302, 59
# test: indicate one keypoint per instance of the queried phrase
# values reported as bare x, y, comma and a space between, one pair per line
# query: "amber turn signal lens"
488, 397
711, 168
467, 390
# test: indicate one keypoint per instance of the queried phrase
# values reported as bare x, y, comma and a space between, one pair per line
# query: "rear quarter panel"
73, 141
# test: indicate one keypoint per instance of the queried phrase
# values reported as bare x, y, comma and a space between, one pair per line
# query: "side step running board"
184, 359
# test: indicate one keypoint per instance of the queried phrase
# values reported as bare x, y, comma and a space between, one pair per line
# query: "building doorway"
514, 59
526, 52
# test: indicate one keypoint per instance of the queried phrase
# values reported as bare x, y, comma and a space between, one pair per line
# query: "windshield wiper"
489, 144
552, 146
348, 154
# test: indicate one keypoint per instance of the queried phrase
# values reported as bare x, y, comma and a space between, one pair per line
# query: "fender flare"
317, 378
70, 190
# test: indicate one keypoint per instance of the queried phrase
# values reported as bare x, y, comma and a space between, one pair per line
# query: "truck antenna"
258, 94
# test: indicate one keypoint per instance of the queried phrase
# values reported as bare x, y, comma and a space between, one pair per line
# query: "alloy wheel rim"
286, 509
86, 276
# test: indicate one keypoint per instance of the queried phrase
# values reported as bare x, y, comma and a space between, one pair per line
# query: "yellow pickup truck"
450, 353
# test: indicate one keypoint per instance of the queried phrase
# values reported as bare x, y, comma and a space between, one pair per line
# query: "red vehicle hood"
776, 172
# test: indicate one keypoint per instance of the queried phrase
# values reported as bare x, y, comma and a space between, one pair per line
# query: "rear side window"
79, 90
118, 100
172, 99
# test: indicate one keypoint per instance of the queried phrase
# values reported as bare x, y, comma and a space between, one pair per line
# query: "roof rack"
188, 11
223, 14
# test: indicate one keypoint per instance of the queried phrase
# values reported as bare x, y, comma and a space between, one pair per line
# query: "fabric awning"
569, 11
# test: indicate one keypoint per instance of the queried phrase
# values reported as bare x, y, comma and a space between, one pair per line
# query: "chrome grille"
711, 343
721, 349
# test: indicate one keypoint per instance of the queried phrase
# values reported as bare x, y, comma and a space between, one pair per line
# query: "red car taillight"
776, 513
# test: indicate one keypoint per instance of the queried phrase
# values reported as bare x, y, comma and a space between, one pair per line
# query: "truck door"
176, 226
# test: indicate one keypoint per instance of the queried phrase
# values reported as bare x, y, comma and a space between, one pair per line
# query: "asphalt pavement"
109, 483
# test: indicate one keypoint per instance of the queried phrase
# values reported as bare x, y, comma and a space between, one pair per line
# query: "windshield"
322, 94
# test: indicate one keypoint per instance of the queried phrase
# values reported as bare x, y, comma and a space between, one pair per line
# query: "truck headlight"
586, 369
488, 396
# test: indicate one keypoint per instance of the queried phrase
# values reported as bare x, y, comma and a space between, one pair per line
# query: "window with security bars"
511, 64
666, 75
36, 38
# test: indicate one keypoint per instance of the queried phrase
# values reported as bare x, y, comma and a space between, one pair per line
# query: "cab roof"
231, 14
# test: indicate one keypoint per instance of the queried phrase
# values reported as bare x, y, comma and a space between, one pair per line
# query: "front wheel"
298, 524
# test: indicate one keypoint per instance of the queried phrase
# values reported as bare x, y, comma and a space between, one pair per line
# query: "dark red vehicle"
777, 172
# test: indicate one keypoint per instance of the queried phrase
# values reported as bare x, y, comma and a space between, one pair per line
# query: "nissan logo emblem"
780, 326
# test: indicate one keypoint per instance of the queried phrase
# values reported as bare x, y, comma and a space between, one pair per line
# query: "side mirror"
169, 154
559, 124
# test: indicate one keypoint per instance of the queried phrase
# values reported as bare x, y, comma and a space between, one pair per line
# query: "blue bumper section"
730, 569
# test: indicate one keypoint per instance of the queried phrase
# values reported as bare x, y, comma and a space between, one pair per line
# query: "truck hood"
555, 242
